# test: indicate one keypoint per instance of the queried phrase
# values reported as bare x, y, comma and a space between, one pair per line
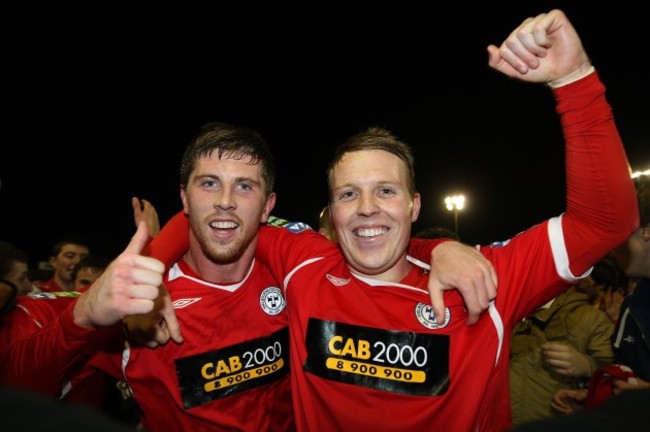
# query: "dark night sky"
96, 110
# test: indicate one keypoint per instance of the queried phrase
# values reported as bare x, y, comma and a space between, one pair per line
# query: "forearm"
422, 249
599, 347
171, 242
41, 360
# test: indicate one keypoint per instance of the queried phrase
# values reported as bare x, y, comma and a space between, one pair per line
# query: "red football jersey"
232, 370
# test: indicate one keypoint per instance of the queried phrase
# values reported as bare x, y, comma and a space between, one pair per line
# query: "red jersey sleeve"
601, 209
423, 248
41, 360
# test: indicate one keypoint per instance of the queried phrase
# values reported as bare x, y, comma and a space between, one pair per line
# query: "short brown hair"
231, 141
375, 138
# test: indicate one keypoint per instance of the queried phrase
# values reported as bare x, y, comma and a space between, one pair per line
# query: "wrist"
574, 76
80, 314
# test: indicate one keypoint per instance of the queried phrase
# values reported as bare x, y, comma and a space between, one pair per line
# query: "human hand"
567, 401
543, 49
455, 265
565, 360
156, 327
611, 302
145, 211
128, 286
631, 384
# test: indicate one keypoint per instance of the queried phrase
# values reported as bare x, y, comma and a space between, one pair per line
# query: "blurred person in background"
66, 253
14, 268
558, 346
618, 396
87, 270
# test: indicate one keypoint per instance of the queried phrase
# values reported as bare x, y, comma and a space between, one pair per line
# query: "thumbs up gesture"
128, 286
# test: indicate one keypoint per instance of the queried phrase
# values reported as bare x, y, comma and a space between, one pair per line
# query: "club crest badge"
427, 318
272, 301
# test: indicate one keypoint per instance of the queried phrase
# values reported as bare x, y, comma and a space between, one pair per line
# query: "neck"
219, 272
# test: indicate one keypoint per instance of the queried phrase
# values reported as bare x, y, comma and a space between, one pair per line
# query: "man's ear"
416, 204
268, 207
184, 200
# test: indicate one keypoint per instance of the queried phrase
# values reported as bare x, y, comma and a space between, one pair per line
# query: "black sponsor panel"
234, 369
400, 362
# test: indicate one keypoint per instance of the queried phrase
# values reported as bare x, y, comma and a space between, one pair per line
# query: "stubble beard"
222, 253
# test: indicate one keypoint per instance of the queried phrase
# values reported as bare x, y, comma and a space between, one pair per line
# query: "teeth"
223, 225
372, 232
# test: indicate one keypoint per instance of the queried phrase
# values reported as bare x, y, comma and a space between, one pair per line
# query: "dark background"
97, 107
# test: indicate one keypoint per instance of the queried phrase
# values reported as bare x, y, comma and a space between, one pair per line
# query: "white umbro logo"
337, 281
181, 303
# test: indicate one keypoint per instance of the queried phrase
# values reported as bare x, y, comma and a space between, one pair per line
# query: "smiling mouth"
224, 225
370, 232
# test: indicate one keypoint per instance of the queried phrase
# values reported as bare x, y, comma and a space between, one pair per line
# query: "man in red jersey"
232, 369
369, 350
372, 356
